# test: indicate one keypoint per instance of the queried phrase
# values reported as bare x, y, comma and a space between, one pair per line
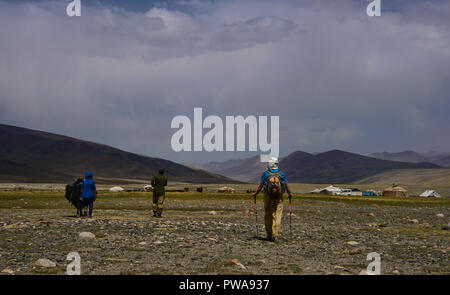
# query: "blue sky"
336, 77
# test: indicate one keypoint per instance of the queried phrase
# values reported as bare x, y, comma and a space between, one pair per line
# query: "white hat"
273, 163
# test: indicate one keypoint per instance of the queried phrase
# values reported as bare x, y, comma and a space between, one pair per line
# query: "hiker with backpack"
89, 193
274, 183
159, 194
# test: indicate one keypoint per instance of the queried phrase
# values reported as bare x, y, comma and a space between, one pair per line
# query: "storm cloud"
336, 77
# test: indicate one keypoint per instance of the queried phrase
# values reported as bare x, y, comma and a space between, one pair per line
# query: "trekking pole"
290, 215
256, 216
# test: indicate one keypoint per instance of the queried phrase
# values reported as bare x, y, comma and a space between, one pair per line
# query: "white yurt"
430, 194
116, 189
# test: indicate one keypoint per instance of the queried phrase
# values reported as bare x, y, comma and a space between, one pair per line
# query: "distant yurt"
226, 189
116, 189
430, 194
395, 191
331, 190
148, 188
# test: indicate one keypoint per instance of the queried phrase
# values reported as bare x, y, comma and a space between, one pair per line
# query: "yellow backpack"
274, 185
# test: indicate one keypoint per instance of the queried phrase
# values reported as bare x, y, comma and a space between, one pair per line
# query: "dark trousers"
89, 203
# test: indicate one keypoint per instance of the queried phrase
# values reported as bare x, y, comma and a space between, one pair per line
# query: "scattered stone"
86, 235
158, 242
235, 261
8, 271
42, 221
44, 262
440, 215
117, 259
15, 226
363, 273
212, 212
395, 272
371, 214
414, 221
355, 251
212, 239
352, 243
142, 243
262, 261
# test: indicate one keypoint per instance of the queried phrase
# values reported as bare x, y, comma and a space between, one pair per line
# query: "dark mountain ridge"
415, 157
36, 156
337, 166
334, 166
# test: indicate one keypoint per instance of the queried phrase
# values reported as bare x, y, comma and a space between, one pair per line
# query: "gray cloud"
251, 32
337, 78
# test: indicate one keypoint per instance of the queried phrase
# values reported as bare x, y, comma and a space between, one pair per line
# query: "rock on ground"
8, 271
44, 262
87, 235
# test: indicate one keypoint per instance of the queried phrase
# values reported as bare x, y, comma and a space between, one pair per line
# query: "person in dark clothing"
158, 183
89, 193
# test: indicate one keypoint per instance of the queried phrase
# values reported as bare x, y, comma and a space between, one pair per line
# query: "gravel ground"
192, 240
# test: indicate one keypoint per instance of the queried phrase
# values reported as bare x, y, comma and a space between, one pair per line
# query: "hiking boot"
273, 239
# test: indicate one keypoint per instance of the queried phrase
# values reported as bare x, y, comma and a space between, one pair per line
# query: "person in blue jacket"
89, 193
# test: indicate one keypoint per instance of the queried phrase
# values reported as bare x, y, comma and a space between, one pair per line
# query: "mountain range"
34, 156
334, 166
442, 160
248, 169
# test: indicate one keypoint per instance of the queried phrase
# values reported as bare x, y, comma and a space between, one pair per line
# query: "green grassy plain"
135, 200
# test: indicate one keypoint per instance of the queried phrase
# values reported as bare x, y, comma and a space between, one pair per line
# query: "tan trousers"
273, 213
158, 202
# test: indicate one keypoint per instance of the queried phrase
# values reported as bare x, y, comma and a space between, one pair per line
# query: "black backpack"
73, 191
